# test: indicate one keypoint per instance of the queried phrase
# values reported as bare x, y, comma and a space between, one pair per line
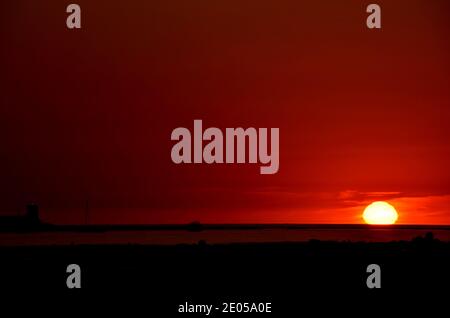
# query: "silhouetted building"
21, 222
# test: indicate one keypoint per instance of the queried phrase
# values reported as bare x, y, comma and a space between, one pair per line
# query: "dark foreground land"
287, 273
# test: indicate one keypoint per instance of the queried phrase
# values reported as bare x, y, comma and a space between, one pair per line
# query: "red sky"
363, 114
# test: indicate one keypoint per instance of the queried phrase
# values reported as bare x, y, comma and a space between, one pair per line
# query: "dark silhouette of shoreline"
165, 274
244, 268
419, 264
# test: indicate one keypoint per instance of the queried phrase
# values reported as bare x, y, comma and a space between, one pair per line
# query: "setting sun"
380, 212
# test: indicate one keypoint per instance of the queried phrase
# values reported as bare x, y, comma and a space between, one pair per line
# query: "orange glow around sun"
380, 212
